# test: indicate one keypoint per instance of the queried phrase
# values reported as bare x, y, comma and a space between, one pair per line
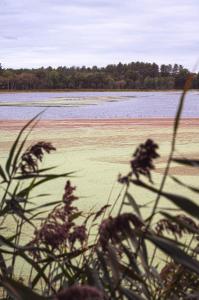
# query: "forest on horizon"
135, 75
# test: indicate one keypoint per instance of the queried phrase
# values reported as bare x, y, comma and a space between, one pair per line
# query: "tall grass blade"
2, 174
129, 294
20, 292
93, 277
184, 203
178, 255
16, 142
191, 188
48, 178
187, 162
134, 205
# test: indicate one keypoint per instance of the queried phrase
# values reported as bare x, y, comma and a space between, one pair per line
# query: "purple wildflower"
56, 229
176, 228
78, 234
35, 153
112, 227
142, 162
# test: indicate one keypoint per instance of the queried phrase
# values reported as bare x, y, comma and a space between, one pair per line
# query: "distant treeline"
135, 75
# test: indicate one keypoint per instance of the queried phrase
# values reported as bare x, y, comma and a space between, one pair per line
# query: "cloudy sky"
36, 33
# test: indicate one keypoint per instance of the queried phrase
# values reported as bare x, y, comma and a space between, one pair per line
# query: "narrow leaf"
191, 188
129, 294
2, 174
178, 255
20, 292
184, 203
50, 177
134, 204
14, 146
93, 278
187, 162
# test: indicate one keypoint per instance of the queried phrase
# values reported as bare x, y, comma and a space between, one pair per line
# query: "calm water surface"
91, 105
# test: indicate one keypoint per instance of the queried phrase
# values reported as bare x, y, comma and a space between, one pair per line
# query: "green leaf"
104, 266
40, 196
93, 277
67, 256
187, 162
23, 217
114, 264
49, 177
170, 248
39, 275
36, 267
16, 142
19, 291
33, 175
3, 264
134, 204
76, 215
46, 169
129, 294
21, 253
2, 174
131, 258
130, 273
43, 205
180, 106
15, 159
184, 203
191, 188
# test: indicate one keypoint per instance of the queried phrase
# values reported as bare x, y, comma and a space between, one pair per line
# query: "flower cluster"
113, 228
142, 162
59, 230
180, 279
78, 292
69, 197
34, 154
78, 234
176, 228
55, 230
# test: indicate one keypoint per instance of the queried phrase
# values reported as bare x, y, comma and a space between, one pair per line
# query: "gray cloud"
93, 32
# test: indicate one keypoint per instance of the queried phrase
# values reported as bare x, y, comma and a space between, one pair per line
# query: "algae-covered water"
96, 105
95, 135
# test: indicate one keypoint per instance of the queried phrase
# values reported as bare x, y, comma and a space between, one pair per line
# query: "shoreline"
70, 123
89, 90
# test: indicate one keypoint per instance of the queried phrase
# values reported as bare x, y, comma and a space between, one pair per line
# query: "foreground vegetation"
113, 253
135, 75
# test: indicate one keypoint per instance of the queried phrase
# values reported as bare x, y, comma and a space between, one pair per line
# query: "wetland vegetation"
115, 252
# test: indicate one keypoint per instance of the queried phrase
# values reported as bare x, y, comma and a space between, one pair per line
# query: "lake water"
100, 105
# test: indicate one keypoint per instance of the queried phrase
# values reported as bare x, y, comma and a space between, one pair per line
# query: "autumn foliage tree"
134, 75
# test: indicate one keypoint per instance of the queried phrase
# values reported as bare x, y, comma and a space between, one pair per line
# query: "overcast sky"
36, 33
